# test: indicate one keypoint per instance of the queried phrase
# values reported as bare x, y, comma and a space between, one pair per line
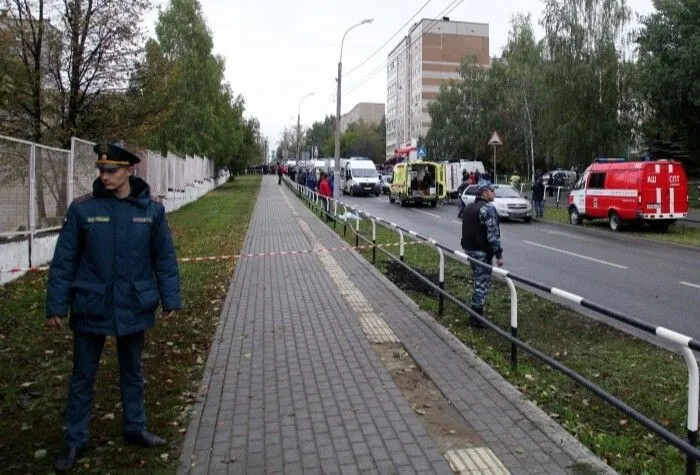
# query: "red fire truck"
655, 192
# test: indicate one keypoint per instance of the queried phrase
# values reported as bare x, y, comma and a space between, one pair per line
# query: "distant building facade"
426, 58
369, 112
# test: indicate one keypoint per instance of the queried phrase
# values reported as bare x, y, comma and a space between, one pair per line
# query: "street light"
299, 125
336, 165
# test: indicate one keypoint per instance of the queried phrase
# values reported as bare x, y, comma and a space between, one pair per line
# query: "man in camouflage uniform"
481, 239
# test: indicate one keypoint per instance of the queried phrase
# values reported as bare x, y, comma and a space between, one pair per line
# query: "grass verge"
676, 234
35, 363
650, 379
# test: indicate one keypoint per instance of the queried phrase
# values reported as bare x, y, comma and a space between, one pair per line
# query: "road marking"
425, 212
573, 236
581, 256
690, 285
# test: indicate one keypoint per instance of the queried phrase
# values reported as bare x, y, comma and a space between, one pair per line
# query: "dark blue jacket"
113, 263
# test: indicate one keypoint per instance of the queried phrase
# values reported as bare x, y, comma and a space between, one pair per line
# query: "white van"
358, 176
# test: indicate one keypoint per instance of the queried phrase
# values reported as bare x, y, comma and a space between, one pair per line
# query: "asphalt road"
654, 282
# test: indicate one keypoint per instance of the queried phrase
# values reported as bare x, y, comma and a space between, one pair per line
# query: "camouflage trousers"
481, 276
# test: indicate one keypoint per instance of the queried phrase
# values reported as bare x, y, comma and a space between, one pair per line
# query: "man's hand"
499, 262
55, 322
168, 315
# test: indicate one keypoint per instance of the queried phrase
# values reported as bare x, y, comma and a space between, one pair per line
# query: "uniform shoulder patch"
85, 197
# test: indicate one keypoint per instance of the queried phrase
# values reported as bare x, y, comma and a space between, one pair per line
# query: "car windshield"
364, 173
506, 192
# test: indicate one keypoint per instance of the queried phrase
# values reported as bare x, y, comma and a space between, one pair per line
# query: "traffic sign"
421, 152
495, 139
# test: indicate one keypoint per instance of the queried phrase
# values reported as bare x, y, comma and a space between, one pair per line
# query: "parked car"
563, 178
509, 202
385, 184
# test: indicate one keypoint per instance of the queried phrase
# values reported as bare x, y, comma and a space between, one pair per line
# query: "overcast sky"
277, 51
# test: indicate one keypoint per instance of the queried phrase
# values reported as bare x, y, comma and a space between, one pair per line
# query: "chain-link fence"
37, 183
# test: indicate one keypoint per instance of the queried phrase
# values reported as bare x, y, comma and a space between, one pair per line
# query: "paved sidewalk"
293, 383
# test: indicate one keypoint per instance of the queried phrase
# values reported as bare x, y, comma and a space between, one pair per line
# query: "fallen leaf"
27, 384
25, 426
39, 454
420, 412
164, 457
664, 421
108, 417
200, 360
623, 422
529, 377
247, 355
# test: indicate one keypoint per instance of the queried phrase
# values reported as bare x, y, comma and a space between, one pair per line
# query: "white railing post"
32, 200
71, 172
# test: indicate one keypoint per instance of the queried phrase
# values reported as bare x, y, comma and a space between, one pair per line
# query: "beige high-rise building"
426, 58
369, 112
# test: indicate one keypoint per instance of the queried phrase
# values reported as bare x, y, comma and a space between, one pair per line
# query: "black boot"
476, 323
66, 460
144, 439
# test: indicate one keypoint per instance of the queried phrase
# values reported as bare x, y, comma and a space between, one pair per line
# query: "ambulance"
418, 182
655, 192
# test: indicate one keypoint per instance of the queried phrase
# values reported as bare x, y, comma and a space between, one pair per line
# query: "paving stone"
312, 395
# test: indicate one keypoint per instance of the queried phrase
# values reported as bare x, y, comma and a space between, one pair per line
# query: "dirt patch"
446, 427
406, 281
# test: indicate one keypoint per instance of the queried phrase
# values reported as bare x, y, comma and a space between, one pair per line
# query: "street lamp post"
336, 165
299, 124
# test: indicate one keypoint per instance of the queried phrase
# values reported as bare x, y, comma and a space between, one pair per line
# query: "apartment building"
369, 112
426, 58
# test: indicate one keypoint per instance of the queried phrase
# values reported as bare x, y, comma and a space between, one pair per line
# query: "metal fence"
37, 183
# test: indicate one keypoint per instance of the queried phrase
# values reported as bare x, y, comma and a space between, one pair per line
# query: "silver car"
509, 202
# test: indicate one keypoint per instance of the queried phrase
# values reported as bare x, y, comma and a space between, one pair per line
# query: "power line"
361, 82
387, 41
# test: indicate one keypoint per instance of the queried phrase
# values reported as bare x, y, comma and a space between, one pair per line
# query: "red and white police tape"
237, 256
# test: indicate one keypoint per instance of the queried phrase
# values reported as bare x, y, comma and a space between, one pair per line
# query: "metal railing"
683, 343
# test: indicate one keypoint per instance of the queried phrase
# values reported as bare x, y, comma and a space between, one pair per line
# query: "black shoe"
144, 439
66, 460
474, 322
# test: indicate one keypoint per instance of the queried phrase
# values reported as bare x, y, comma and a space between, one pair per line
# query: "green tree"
363, 140
669, 78
322, 135
587, 79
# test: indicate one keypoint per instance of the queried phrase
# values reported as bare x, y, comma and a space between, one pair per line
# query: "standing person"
113, 263
481, 239
324, 190
279, 173
538, 196
460, 189
331, 181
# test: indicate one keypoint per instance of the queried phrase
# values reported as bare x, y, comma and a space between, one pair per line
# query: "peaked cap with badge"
112, 156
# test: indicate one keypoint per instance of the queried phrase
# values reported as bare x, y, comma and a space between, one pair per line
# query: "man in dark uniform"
481, 239
114, 262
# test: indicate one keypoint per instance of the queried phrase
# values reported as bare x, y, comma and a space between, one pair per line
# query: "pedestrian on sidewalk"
324, 190
279, 173
114, 262
481, 239
538, 196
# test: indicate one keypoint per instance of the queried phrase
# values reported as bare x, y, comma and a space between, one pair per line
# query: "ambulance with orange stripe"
655, 192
